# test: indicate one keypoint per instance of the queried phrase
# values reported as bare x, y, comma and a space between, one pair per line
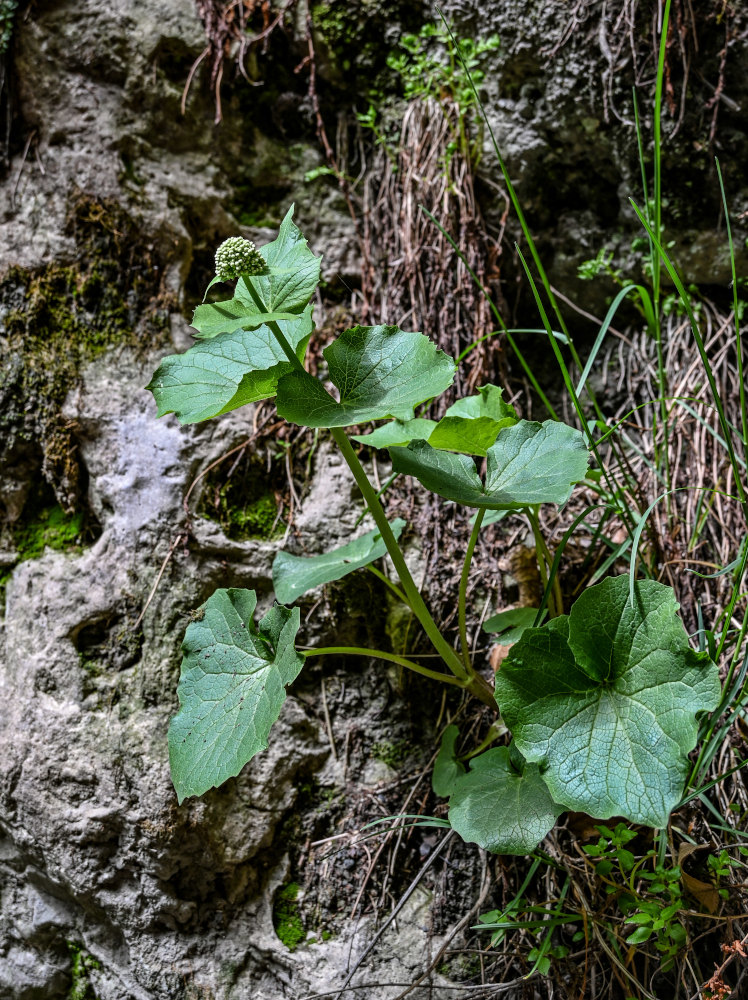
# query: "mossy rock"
57, 317
246, 501
286, 916
356, 42
44, 524
81, 964
393, 753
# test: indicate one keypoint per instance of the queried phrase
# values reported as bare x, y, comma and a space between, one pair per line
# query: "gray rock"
104, 879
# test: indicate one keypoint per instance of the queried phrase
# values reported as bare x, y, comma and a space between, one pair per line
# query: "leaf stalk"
471, 681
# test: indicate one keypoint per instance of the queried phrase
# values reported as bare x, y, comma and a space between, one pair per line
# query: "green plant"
600, 264
81, 964
602, 702
435, 65
651, 899
44, 524
7, 13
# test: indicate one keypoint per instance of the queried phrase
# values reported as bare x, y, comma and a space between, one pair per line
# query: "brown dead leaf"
497, 656
703, 892
522, 563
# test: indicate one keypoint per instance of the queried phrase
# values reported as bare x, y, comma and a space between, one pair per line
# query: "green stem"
461, 601
287, 349
473, 682
274, 328
654, 254
380, 654
393, 587
738, 336
497, 729
624, 513
544, 561
556, 583
737, 581
380, 492
470, 680
415, 600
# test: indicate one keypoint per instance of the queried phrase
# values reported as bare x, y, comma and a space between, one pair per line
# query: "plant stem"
411, 591
738, 336
654, 250
555, 603
472, 681
380, 654
275, 329
287, 349
392, 586
497, 729
463, 588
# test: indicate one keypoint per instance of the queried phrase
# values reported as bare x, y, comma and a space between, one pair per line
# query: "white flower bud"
237, 256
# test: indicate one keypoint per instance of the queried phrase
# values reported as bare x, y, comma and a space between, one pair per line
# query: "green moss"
398, 625
60, 316
257, 520
81, 964
286, 917
391, 753
354, 42
243, 504
51, 528
44, 524
462, 968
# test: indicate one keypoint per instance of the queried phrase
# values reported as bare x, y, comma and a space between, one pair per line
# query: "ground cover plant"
615, 711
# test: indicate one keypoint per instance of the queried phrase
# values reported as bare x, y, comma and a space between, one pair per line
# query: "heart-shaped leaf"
295, 575
470, 425
379, 371
447, 769
231, 688
607, 698
530, 463
227, 371
500, 808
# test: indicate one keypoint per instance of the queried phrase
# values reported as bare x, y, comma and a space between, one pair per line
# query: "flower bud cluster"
237, 256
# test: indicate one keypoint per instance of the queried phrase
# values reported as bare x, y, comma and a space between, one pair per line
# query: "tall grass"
702, 516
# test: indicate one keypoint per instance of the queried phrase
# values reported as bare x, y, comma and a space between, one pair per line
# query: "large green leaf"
530, 463
281, 293
293, 270
470, 425
379, 371
221, 374
295, 575
231, 688
447, 769
607, 698
500, 808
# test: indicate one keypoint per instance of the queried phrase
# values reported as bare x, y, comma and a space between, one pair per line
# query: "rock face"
108, 889
97, 858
